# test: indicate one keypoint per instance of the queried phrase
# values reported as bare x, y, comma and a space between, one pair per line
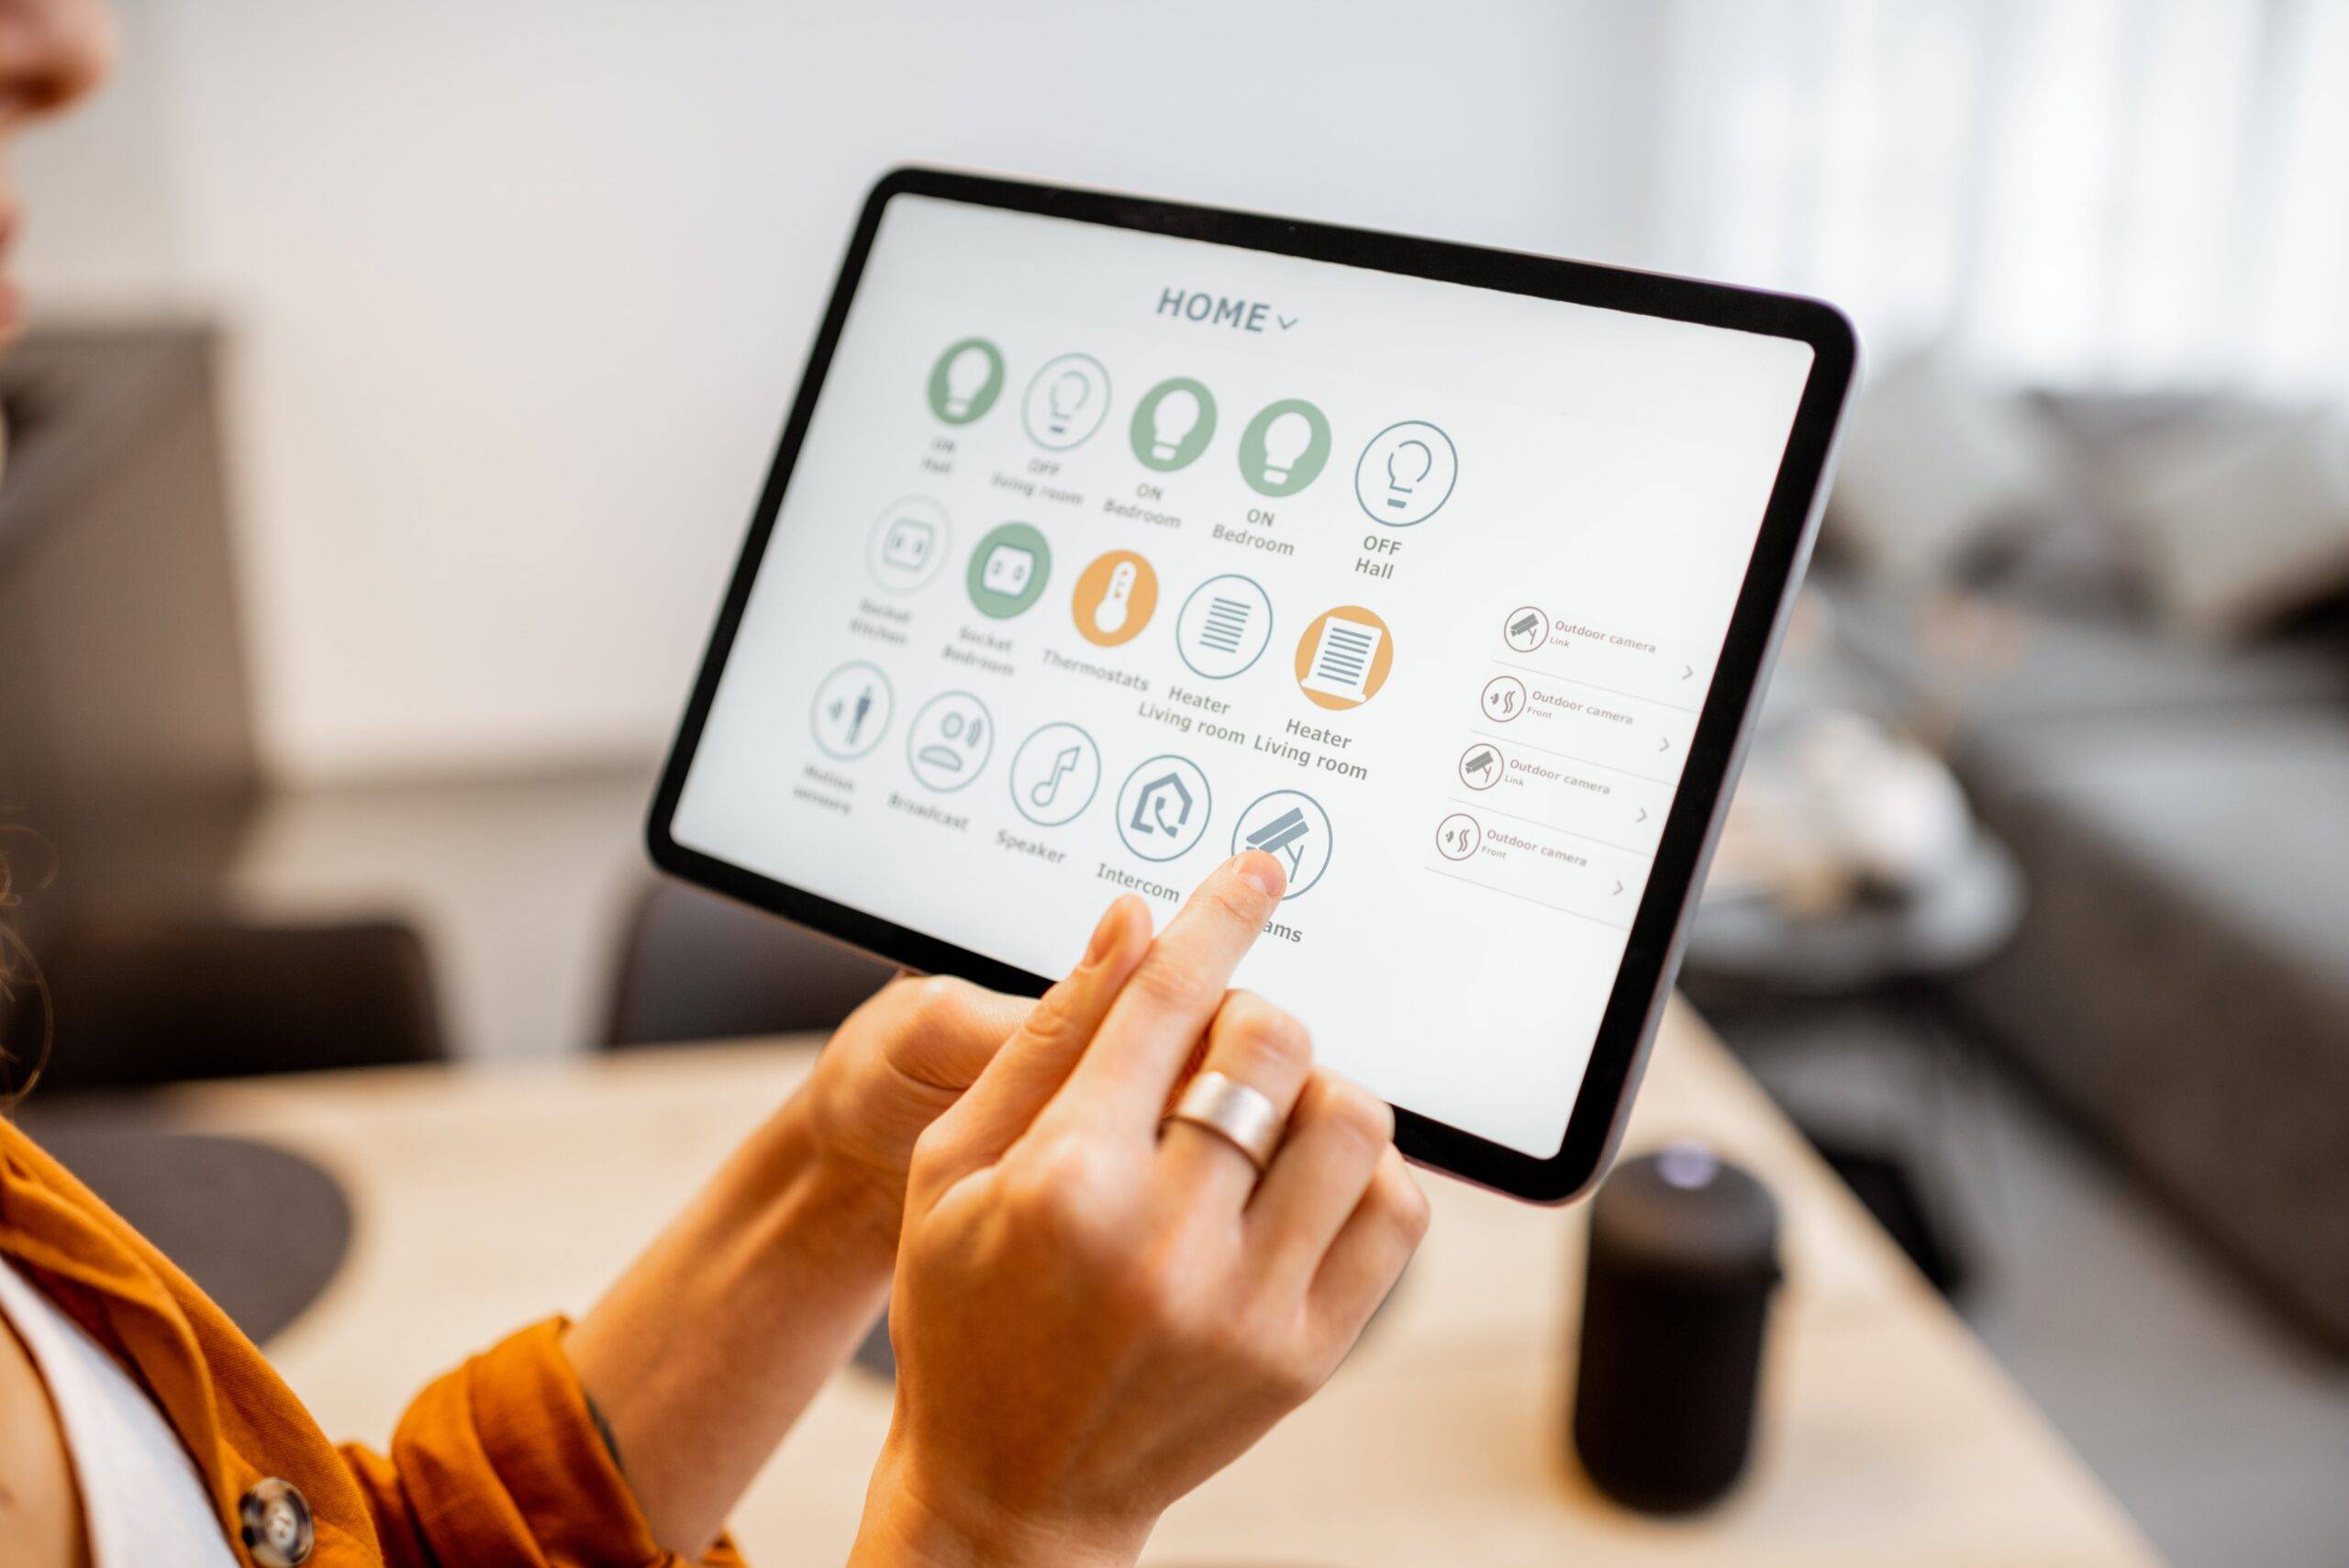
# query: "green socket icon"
1008, 571
1173, 424
966, 380
1284, 447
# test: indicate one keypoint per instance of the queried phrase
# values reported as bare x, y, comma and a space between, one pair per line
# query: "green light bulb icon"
965, 381
965, 374
1285, 439
1284, 447
1171, 422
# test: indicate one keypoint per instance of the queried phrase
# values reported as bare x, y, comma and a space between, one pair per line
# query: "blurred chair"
126, 714
694, 966
145, 998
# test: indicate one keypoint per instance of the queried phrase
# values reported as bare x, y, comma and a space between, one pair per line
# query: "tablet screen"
1108, 553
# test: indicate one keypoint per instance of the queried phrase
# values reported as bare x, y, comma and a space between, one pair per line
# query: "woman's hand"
1089, 1319
702, 1355
890, 1069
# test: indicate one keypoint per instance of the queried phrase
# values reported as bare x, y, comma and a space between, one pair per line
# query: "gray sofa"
2181, 810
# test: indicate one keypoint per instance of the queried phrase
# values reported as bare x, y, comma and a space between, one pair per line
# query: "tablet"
1110, 537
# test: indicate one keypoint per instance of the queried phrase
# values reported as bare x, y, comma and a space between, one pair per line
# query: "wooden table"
488, 1197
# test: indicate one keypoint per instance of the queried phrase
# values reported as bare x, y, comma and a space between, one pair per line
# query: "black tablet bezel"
1651, 954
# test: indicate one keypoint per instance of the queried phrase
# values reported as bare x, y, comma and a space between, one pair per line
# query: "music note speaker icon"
1054, 774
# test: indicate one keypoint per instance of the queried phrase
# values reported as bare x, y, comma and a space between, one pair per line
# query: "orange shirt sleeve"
499, 1462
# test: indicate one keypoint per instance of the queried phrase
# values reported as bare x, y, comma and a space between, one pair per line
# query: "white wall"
521, 288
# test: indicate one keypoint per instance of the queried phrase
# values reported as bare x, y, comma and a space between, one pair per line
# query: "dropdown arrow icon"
1664, 743
1643, 816
1618, 884
1687, 670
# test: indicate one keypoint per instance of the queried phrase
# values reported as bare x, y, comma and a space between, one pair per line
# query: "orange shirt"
495, 1462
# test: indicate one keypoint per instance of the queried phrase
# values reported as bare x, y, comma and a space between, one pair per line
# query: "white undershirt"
143, 1501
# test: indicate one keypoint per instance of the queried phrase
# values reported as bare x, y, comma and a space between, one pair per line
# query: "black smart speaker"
1683, 1258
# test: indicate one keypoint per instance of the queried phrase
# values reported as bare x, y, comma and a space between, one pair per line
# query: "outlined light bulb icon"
1070, 393
1285, 439
1171, 422
1066, 402
1406, 466
1405, 474
966, 373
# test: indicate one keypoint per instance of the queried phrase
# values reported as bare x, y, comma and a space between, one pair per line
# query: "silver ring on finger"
1242, 1116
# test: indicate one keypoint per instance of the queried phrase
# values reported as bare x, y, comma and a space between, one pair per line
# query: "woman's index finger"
1149, 1033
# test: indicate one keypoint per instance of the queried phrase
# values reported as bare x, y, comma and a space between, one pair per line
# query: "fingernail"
1104, 934
1262, 873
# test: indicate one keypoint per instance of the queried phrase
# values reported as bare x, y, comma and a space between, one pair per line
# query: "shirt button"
276, 1520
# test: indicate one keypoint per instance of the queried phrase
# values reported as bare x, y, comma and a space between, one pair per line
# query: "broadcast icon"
950, 740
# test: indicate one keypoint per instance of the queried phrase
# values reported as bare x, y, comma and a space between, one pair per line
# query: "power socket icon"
1007, 571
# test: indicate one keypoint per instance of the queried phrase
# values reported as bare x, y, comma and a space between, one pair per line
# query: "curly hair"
20, 981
